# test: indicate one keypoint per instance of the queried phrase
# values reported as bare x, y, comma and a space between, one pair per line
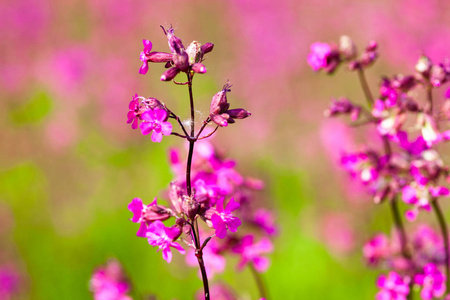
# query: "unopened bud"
346, 47
372, 46
153, 103
175, 44
170, 74
423, 65
181, 61
219, 103
219, 120
437, 75
194, 52
190, 207
206, 48
199, 68
238, 113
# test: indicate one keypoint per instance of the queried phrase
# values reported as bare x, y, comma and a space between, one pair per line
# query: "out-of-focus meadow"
69, 163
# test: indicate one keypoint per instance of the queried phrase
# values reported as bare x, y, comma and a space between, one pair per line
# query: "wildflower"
155, 120
251, 252
219, 112
323, 56
223, 218
134, 112
392, 287
432, 281
214, 262
109, 283
147, 56
146, 214
376, 249
163, 237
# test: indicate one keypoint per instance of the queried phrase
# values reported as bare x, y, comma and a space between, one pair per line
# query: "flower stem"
365, 87
443, 225
259, 282
400, 228
194, 229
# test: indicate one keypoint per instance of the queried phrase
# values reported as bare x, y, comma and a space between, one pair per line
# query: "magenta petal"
261, 263
130, 117
167, 254
232, 205
156, 137
148, 116
219, 226
439, 191
135, 123
136, 207
411, 214
219, 204
144, 68
146, 127
160, 114
233, 224
178, 247
142, 231
166, 128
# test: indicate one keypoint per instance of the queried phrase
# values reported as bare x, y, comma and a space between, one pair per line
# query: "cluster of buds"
405, 166
207, 187
329, 56
179, 60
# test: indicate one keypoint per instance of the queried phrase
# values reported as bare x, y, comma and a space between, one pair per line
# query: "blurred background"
69, 163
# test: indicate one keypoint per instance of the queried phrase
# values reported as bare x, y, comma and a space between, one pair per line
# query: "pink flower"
163, 237
392, 287
109, 283
432, 281
322, 56
133, 113
251, 252
155, 120
265, 220
376, 249
146, 214
223, 218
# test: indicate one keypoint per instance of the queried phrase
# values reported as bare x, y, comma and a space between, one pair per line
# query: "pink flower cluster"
108, 282
404, 165
207, 187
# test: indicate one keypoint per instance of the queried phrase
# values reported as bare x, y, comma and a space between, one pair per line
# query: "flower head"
392, 287
155, 122
163, 237
252, 252
223, 219
322, 56
432, 281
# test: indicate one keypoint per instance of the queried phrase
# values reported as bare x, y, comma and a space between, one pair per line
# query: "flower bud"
153, 103
175, 44
219, 120
219, 103
189, 207
155, 212
170, 74
346, 47
423, 65
437, 75
199, 68
181, 61
206, 48
194, 52
372, 46
238, 113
